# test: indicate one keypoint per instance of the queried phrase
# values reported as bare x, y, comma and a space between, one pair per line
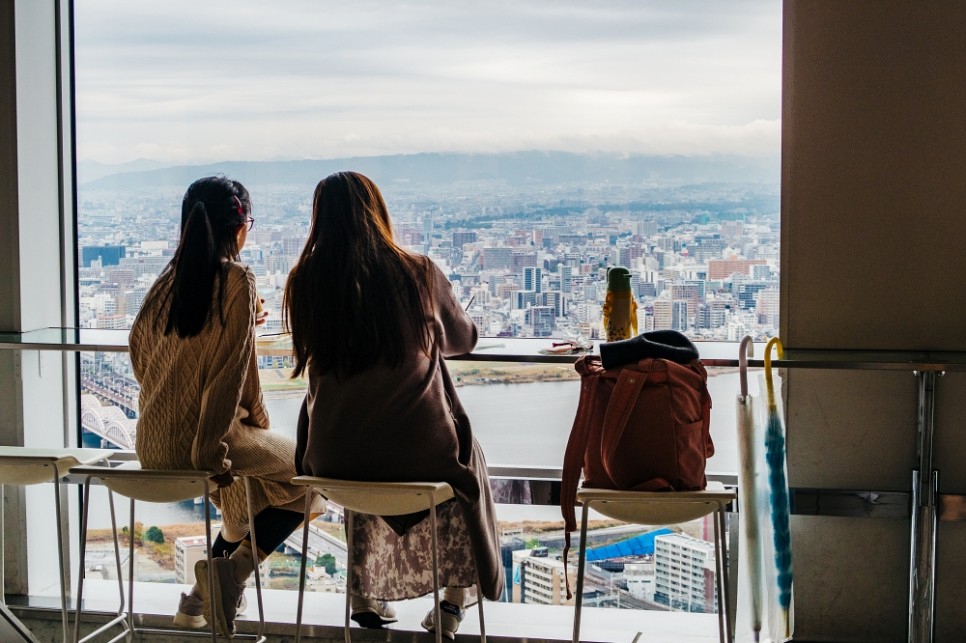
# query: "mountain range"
516, 169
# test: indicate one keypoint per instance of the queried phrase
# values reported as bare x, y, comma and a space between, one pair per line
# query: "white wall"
34, 288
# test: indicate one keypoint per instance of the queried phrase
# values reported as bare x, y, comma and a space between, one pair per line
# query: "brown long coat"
408, 424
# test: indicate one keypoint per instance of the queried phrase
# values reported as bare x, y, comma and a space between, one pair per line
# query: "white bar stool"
659, 508
377, 499
22, 466
162, 486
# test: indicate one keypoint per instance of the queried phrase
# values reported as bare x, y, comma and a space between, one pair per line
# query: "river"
516, 424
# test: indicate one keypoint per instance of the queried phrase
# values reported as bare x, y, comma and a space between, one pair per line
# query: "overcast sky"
205, 81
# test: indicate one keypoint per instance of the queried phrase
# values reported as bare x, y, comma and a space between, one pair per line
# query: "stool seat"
659, 508
136, 483
377, 499
28, 465
655, 507
129, 478
380, 498
25, 466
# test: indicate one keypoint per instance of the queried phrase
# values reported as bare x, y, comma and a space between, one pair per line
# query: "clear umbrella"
748, 440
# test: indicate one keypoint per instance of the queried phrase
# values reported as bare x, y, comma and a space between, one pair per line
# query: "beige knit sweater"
201, 405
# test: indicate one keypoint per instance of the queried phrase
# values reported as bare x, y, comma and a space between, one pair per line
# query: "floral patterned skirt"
390, 567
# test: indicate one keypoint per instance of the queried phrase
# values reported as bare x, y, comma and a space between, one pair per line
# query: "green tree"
154, 535
328, 562
138, 532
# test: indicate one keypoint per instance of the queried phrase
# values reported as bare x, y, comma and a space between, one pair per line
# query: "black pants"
272, 527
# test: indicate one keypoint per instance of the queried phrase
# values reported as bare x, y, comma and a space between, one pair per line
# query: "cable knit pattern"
201, 405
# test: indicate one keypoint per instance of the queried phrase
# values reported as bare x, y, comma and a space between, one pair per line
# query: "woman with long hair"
193, 353
371, 324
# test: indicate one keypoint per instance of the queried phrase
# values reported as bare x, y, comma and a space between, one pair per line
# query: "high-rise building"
293, 245
724, 268
541, 579
647, 228
679, 315
107, 255
524, 299
147, 266
123, 277
689, 291
462, 238
566, 278
767, 306
556, 300
541, 319
112, 322
662, 313
497, 258
684, 573
188, 550
522, 259
532, 278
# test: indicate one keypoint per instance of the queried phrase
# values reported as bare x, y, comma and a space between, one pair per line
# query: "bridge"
107, 422
320, 542
118, 390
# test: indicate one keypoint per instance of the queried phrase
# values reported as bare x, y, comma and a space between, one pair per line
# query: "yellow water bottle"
620, 308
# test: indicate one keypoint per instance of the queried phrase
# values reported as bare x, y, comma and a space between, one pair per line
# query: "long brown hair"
211, 211
354, 292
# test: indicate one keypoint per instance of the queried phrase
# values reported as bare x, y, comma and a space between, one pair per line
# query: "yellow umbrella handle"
774, 341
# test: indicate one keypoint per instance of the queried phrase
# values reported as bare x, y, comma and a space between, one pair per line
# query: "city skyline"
704, 259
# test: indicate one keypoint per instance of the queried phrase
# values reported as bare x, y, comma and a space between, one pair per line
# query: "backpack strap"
574, 457
698, 367
623, 400
629, 385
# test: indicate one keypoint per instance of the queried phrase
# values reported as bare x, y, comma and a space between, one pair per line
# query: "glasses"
251, 222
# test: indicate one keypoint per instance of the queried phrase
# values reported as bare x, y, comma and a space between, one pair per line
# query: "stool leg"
258, 578
348, 570
438, 622
582, 550
719, 581
61, 558
211, 566
479, 606
83, 551
130, 576
121, 618
117, 554
305, 549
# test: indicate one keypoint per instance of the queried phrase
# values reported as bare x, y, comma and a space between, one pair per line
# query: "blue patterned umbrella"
778, 490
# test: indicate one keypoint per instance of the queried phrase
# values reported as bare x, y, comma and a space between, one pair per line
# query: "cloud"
300, 78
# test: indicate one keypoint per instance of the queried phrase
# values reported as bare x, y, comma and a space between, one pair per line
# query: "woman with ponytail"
193, 354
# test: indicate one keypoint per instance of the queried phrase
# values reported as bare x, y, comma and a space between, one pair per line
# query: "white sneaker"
451, 616
190, 612
370, 613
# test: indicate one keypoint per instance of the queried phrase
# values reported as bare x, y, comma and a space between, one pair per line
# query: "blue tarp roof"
637, 546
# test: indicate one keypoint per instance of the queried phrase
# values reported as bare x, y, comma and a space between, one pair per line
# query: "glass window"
525, 146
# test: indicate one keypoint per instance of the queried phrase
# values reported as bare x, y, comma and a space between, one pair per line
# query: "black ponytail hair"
211, 211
